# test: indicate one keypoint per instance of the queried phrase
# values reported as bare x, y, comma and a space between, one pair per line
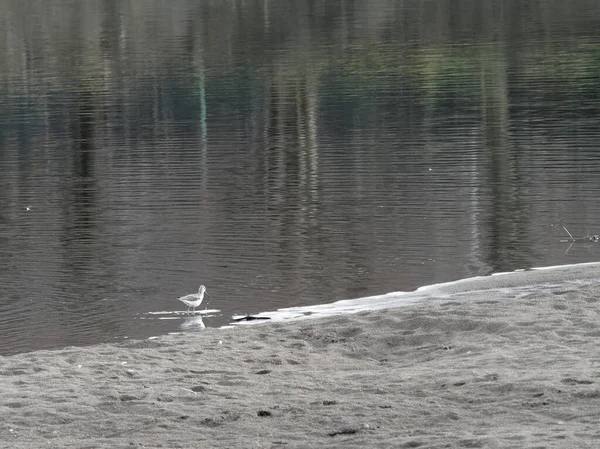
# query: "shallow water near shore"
507, 286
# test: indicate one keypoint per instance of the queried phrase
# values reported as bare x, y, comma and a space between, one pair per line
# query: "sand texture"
479, 373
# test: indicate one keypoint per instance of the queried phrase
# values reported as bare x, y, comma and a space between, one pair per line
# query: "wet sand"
439, 374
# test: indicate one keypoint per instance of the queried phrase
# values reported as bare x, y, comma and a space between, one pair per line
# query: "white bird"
195, 299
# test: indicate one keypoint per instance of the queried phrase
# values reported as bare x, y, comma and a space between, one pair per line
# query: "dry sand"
478, 373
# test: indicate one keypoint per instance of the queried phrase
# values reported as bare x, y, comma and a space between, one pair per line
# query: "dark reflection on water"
282, 154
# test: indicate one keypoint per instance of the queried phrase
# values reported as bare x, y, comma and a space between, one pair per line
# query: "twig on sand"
187, 389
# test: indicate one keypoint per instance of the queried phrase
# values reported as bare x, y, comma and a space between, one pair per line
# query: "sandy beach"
438, 374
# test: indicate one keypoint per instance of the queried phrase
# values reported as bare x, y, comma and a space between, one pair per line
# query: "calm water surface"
283, 154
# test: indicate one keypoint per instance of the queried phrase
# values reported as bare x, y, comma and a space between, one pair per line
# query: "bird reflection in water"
192, 323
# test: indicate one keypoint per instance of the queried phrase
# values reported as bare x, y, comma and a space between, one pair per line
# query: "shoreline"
477, 373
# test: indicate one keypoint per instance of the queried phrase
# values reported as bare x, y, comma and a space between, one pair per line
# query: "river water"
283, 154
